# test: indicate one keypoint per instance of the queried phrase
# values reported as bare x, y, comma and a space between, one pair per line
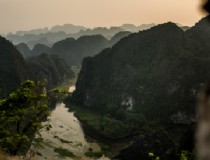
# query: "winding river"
65, 135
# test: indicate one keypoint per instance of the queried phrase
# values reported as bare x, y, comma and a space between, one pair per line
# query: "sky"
30, 14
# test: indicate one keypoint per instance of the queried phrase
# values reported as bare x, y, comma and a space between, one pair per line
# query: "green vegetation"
74, 50
108, 126
38, 140
159, 80
58, 94
186, 155
21, 114
58, 90
110, 129
146, 81
63, 140
64, 152
90, 117
13, 68
50, 68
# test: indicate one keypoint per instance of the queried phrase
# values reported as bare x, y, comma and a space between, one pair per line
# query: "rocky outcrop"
160, 68
182, 118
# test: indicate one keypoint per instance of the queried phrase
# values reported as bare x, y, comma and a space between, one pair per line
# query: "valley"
127, 92
65, 139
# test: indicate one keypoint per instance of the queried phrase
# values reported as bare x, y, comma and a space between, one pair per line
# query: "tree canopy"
21, 114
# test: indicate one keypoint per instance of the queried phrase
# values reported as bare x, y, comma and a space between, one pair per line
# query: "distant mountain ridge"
73, 50
15, 69
49, 68
70, 28
67, 28
57, 33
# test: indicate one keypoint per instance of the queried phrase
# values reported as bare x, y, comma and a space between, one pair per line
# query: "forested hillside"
49, 68
73, 51
13, 67
24, 103
148, 72
151, 79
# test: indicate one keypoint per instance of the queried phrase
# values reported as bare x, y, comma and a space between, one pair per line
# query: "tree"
21, 114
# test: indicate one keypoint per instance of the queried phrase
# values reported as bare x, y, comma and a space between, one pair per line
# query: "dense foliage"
155, 142
39, 49
21, 114
50, 68
13, 68
73, 50
154, 73
117, 37
24, 50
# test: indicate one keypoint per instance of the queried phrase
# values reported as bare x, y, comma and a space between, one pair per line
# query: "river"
65, 140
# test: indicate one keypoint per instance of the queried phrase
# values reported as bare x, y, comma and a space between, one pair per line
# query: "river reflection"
66, 134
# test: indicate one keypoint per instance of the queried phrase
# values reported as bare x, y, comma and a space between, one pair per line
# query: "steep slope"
24, 50
117, 37
201, 31
50, 68
43, 41
39, 49
155, 72
12, 67
157, 143
73, 51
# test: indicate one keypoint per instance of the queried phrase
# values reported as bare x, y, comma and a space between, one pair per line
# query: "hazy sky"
28, 14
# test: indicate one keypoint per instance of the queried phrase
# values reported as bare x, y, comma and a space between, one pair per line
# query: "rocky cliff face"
158, 69
13, 68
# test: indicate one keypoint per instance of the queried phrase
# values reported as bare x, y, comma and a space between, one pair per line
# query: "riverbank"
90, 122
65, 139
